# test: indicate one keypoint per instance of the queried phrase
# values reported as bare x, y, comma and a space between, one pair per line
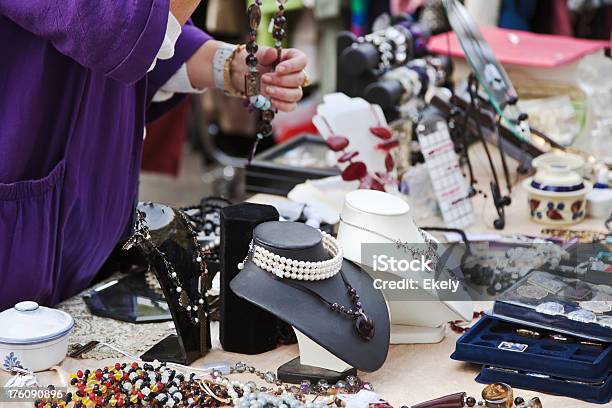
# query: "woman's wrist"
238, 71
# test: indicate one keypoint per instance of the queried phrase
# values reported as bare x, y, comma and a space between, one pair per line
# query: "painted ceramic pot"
573, 161
557, 195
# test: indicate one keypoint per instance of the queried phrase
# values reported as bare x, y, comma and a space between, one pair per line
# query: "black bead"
518, 401
278, 34
251, 60
267, 115
280, 21
470, 401
265, 128
252, 47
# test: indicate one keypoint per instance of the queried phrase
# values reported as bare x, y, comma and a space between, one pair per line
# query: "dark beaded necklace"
252, 80
363, 324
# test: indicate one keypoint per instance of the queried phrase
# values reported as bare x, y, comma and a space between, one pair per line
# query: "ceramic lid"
574, 161
557, 178
29, 323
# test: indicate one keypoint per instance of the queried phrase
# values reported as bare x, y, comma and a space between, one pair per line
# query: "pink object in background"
405, 6
523, 48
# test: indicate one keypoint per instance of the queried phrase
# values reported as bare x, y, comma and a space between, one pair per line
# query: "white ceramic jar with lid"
33, 337
557, 195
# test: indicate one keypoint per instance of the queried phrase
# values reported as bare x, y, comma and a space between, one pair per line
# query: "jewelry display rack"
173, 239
361, 60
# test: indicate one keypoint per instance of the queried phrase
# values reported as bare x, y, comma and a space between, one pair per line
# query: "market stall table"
412, 373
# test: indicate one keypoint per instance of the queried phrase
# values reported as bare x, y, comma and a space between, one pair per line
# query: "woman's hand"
284, 84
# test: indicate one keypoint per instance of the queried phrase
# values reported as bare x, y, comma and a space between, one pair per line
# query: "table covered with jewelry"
412, 373
422, 245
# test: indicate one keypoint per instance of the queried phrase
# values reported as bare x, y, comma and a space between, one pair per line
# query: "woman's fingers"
283, 105
284, 94
292, 61
294, 80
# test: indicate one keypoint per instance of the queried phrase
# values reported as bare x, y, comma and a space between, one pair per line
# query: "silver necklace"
429, 253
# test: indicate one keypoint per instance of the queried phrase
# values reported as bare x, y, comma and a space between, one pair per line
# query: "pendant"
498, 395
252, 84
365, 327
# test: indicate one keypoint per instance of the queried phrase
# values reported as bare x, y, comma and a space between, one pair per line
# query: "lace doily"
130, 337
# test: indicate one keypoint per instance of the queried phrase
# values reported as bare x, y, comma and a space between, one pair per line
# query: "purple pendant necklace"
364, 325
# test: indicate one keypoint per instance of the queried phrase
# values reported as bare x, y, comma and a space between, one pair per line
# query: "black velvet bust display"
305, 311
244, 328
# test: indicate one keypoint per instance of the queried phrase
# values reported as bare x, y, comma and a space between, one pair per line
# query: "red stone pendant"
354, 171
381, 132
337, 143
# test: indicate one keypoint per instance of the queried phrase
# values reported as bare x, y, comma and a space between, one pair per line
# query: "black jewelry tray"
267, 173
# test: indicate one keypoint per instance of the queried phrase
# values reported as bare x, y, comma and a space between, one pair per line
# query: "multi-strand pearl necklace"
288, 268
292, 269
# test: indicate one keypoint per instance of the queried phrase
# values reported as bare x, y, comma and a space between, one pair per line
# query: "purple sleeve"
190, 40
119, 38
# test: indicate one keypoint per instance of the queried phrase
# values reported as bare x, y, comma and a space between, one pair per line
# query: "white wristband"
221, 55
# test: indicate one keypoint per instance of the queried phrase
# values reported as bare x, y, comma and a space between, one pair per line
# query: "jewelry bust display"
376, 217
340, 311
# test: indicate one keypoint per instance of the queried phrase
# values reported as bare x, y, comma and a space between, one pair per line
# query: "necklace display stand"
171, 236
416, 321
331, 347
314, 364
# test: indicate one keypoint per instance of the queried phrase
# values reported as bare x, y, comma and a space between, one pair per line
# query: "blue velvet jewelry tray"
598, 392
487, 343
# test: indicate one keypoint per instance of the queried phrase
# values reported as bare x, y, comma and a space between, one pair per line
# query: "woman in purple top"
77, 83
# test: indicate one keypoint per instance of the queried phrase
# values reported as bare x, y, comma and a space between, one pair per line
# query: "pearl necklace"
288, 268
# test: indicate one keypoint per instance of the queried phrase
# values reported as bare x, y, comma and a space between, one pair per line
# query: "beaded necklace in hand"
252, 80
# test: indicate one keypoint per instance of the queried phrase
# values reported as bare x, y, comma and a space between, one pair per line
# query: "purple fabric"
74, 91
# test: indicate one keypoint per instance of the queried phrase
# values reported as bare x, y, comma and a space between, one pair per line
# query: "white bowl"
34, 337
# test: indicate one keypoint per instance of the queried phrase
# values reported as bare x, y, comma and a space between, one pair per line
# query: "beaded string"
143, 384
252, 86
